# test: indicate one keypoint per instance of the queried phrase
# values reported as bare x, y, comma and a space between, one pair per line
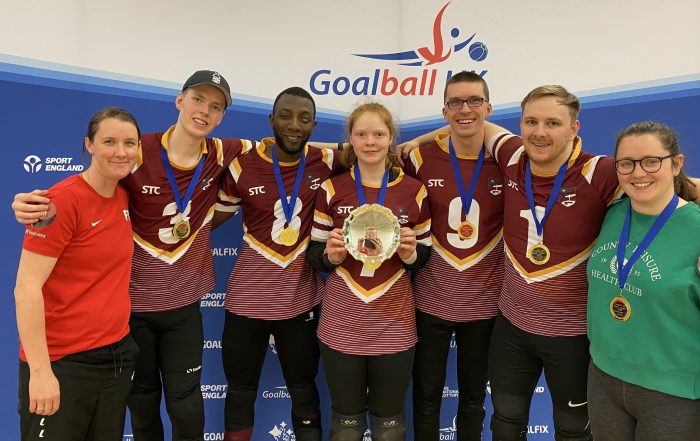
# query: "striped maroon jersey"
169, 273
550, 299
463, 277
270, 280
369, 312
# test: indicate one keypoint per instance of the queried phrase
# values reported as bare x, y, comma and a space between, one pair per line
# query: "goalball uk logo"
384, 81
34, 164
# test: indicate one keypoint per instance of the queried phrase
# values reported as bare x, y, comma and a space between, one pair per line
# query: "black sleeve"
317, 258
423, 253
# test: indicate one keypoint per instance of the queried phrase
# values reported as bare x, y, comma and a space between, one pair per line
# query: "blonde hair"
349, 158
566, 98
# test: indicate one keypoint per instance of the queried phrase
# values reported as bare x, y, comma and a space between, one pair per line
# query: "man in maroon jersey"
272, 289
457, 291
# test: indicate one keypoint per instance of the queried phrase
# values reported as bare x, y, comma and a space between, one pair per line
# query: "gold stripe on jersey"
230, 199
588, 170
330, 190
399, 178
416, 159
327, 156
551, 270
319, 235
139, 158
247, 145
271, 255
171, 257
219, 151
322, 218
164, 141
492, 146
516, 156
420, 196
368, 295
422, 228
472, 259
235, 169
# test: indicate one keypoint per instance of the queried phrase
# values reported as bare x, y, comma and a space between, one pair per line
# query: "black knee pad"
508, 429
347, 427
388, 429
144, 409
239, 411
305, 398
569, 435
187, 415
308, 428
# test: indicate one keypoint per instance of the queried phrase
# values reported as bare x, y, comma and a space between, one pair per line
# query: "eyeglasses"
473, 102
650, 164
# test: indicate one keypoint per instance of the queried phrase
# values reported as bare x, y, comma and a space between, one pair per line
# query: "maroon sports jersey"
551, 299
169, 273
270, 280
463, 277
369, 312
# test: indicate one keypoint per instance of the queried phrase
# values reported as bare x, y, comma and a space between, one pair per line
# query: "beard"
290, 151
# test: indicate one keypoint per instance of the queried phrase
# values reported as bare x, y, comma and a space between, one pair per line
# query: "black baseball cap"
213, 79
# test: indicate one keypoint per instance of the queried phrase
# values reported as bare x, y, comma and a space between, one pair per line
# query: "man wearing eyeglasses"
458, 289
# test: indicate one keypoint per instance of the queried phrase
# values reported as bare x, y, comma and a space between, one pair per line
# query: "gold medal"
181, 229
620, 308
373, 264
289, 236
538, 254
466, 230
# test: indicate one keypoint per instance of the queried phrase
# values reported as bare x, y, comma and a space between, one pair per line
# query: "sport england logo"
425, 56
34, 164
386, 82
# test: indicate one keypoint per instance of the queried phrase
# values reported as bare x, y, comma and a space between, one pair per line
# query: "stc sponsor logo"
213, 300
279, 392
34, 164
213, 391
384, 81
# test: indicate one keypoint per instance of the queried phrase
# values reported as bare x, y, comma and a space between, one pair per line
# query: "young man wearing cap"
172, 261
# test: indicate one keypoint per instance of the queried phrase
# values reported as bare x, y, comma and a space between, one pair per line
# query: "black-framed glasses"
650, 164
457, 104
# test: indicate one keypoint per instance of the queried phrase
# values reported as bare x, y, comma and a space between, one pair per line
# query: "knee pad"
305, 398
388, 429
186, 415
144, 409
348, 427
238, 435
569, 435
239, 409
307, 428
508, 429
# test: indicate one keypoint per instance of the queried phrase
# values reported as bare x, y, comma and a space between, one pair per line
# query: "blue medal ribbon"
623, 270
180, 201
288, 206
465, 195
361, 192
558, 181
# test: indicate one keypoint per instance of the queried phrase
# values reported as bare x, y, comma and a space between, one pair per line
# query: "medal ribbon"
180, 201
465, 195
361, 192
288, 206
623, 270
558, 181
